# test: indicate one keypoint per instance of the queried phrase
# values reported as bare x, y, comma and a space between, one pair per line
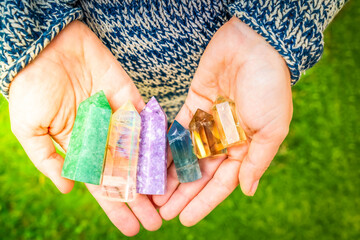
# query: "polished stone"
227, 121
205, 135
86, 151
119, 177
186, 163
152, 170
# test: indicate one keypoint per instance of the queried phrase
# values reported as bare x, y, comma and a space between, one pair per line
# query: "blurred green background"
311, 190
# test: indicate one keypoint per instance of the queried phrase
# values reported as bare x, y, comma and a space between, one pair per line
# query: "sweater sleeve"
293, 27
26, 28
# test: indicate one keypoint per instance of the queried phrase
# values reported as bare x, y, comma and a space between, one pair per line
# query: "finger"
119, 88
118, 213
187, 191
192, 103
238, 152
256, 162
169, 154
146, 213
42, 152
219, 187
171, 185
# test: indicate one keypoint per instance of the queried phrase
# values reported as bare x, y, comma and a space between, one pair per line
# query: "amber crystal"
227, 121
205, 135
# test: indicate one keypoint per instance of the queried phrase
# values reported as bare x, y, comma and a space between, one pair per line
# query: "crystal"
119, 177
186, 163
205, 135
227, 121
85, 156
152, 170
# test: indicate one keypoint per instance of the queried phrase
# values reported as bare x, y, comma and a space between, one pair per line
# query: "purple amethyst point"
152, 170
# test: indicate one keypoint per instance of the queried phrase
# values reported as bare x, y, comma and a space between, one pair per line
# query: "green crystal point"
85, 156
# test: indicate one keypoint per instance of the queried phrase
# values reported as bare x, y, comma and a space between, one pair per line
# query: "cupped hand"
241, 65
44, 98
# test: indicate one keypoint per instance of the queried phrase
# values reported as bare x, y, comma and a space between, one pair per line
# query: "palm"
239, 64
43, 102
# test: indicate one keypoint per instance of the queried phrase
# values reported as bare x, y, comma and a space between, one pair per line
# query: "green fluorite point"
186, 163
85, 156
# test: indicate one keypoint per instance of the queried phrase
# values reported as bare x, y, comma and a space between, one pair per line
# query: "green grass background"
311, 190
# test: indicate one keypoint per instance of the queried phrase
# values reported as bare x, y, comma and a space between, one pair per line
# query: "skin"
237, 63
44, 98
241, 65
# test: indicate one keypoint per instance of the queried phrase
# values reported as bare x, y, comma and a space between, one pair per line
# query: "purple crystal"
152, 171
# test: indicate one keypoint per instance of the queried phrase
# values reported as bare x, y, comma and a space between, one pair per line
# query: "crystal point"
85, 155
205, 135
127, 106
119, 177
152, 170
227, 121
186, 163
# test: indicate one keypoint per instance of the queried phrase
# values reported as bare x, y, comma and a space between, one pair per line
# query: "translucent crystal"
205, 135
152, 165
227, 121
186, 163
119, 177
85, 156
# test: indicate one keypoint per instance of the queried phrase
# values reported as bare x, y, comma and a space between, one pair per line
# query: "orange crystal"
205, 135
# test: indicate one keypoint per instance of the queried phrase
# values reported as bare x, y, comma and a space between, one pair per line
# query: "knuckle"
185, 195
228, 185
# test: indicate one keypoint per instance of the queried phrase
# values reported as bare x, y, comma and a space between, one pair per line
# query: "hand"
44, 98
239, 64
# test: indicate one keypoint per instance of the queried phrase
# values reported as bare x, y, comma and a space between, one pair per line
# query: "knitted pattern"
293, 27
159, 43
27, 27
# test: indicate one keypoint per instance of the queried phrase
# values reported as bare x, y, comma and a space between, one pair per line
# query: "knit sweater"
159, 42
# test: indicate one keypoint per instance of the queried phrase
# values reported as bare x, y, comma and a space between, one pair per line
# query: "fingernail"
253, 188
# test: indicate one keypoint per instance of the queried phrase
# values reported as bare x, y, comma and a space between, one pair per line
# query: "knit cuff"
20, 48
293, 28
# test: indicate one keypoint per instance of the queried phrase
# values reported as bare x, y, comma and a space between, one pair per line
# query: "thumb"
42, 153
261, 153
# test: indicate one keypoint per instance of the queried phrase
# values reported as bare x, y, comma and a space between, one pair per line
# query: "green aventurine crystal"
85, 156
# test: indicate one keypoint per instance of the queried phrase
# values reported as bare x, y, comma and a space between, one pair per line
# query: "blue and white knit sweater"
159, 42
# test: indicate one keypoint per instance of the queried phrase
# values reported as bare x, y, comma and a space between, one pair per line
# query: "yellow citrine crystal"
227, 121
205, 135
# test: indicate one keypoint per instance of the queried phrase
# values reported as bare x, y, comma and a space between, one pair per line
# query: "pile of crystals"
209, 136
126, 152
213, 133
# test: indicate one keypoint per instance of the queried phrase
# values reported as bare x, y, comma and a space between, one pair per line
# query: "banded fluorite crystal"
227, 121
205, 135
85, 156
152, 170
186, 163
119, 177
